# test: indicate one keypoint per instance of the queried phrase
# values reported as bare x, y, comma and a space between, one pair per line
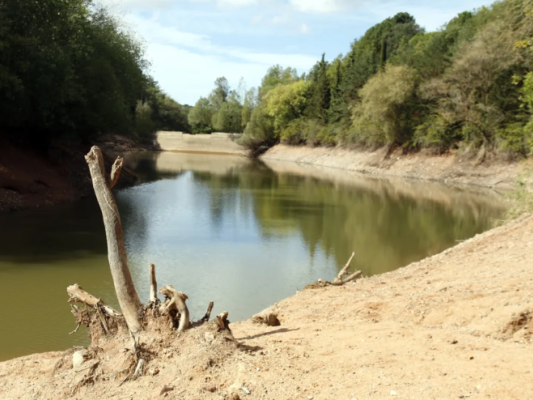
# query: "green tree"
200, 117
383, 115
250, 103
287, 102
228, 118
320, 100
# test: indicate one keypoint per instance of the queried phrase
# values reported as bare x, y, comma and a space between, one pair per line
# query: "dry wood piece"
126, 294
268, 317
208, 312
138, 369
77, 294
166, 389
153, 286
222, 320
340, 278
176, 301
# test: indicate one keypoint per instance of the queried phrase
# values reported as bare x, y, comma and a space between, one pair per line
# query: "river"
241, 233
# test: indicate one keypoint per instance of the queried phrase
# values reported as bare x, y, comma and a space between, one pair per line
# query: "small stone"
246, 390
209, 337
235, 396
78, 358
153, 371
393, 393
210, 388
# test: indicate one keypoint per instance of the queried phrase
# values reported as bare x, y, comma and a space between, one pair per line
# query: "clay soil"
31, 178
457, 325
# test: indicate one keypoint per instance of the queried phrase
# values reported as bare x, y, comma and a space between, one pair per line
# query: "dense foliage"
468, 85
68, 68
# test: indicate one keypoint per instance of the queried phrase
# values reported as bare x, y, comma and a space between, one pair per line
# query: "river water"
240, 233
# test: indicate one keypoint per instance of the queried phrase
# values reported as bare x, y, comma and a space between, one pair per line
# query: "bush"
382, 115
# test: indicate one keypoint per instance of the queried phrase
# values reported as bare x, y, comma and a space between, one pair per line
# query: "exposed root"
175, 302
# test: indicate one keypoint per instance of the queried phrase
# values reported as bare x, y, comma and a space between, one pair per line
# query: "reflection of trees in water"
385, 229
52, 233
144, 165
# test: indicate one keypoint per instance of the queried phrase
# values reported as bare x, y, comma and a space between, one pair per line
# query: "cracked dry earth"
454, 326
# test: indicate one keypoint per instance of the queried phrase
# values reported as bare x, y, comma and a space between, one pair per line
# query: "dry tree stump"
136, 317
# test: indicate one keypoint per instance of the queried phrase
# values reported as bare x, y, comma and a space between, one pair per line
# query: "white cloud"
127, 4
157, 4
324, 6
304, 29
186, 64
235, 3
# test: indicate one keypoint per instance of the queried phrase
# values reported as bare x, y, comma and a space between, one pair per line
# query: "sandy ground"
457, 325
217, 142
448, 168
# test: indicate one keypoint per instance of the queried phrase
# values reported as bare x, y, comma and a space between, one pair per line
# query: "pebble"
78, 358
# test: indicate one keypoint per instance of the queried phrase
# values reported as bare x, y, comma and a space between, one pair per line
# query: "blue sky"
192, 42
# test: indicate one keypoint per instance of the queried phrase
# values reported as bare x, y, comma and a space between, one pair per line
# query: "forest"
466, 86
69, 69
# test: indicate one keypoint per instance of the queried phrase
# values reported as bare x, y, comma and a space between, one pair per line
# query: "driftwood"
153, 286
78, 295
268, 317
207, 315
126, 294
175, 302
340, 279
222, 321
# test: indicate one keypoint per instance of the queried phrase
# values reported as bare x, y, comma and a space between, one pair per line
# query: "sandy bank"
219, 143
456, 325
446, 168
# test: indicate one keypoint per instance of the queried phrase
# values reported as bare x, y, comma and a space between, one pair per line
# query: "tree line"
68, 68
468, 85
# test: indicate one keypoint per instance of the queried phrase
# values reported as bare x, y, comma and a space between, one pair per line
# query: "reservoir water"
241, 233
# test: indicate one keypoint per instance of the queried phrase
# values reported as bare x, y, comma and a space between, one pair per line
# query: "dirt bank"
217, 142
448, 168
456, 325
29, 178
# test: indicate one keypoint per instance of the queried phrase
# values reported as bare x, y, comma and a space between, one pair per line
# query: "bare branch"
344, 270
126, 294
115, 172
353, 276
177, 300
153, 286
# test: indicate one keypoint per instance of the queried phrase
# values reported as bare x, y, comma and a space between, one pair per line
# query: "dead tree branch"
176, 301
126, 294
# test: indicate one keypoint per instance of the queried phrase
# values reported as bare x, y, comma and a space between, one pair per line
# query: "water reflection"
226, 229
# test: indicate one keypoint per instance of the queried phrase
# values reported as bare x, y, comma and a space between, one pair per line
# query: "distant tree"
277, 75
287, 102
220, 93
200, 116
250, 103
382, 115
320, 100
228, 118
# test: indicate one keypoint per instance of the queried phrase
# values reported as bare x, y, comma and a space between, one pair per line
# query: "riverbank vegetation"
71, 69
468, 85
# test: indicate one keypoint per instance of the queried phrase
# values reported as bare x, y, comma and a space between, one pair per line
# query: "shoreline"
449, 168
457, 324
